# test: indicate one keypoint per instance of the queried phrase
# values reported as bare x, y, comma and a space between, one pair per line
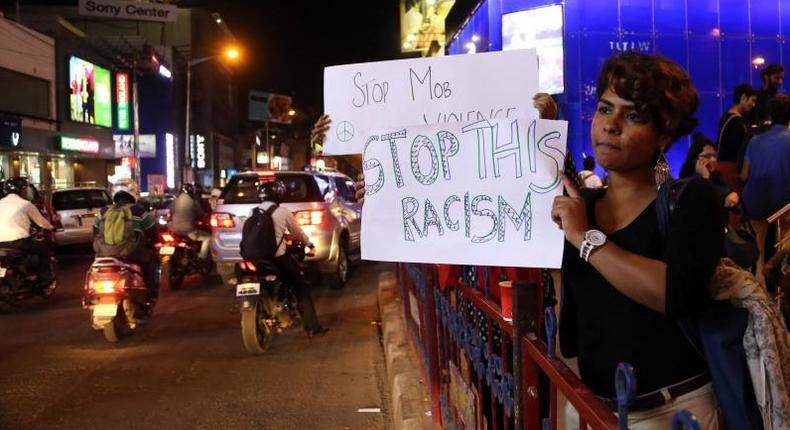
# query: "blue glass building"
715, 40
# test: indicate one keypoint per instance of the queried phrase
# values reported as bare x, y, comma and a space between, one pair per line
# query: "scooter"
18, 278
116, 296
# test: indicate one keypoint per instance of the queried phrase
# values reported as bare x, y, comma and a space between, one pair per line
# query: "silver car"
323, 204
75, 212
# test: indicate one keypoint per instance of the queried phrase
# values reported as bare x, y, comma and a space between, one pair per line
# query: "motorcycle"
267, 305
179, 256
18, 278
116, 296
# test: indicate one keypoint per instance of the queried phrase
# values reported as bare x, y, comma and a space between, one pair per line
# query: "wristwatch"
593, 239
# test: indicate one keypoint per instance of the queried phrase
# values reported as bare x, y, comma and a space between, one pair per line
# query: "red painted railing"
482, 367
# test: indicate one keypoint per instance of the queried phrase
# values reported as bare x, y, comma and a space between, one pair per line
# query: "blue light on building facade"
715, 40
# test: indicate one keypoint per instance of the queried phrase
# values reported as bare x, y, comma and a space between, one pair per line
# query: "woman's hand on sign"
546, 106
360, 187
570, 213
321, 127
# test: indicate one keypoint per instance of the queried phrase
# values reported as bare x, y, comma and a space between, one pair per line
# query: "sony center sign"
119, 9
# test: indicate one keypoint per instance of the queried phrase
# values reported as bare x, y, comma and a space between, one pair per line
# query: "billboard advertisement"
269, 107
122, 100
540, 28
124, 145
422, 26
90, 96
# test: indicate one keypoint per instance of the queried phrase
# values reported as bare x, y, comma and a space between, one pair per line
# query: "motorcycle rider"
136, 246
15, 216
186, 210
272, 193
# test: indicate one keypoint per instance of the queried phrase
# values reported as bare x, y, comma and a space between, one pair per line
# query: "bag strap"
723, 127
270, 211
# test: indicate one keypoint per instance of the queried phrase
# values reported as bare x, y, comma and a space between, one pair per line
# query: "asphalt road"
186, 367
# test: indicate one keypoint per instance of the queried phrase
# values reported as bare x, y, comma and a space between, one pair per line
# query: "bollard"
625, 386
551, 330
684, 420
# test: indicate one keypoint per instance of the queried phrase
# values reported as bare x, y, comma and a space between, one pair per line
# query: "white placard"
476, 192
458, 88
134, 10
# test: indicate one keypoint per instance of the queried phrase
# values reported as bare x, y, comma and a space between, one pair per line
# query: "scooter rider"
134, 246
15, 216
185, 212
271, 193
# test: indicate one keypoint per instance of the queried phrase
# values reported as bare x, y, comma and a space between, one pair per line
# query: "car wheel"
339, 277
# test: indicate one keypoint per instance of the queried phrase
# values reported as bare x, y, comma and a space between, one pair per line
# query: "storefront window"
30, 167
5, 166
62, 173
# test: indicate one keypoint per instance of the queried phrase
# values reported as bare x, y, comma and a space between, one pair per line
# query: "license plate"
167, 250
248, 289
2, 272
105, 310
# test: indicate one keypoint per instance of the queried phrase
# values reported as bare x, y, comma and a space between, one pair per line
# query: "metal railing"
487, 371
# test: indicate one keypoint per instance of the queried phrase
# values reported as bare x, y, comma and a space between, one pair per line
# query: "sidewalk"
410, 396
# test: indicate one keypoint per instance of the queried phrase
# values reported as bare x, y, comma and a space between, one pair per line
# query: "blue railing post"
551, 330
684, 420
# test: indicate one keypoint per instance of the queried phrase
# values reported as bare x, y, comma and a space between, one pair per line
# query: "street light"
232, 54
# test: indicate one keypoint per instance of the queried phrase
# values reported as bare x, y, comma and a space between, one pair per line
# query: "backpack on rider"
116, 236
258, 238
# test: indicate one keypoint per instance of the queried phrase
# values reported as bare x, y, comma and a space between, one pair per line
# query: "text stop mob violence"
426, 218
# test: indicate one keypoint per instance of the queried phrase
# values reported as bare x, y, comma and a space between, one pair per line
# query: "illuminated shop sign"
84, 146
122, 99
200, 151
10, 131
170, 160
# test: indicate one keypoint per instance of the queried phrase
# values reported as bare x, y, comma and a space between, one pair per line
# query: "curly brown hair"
659, 88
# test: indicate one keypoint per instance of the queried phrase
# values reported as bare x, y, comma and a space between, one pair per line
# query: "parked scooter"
116, 296
268, 306
18, 278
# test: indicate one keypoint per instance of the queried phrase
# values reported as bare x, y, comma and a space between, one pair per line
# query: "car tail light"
312, 217
249, 266
222, 220
167, 237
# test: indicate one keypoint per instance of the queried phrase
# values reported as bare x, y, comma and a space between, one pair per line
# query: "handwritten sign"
476, 192
437, 90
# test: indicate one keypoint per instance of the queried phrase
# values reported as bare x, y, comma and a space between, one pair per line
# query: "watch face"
595, 237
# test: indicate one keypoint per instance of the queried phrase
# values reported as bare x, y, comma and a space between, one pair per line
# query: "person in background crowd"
625, 285
766, 173
772, 76
587, 176
702, 161
733, 132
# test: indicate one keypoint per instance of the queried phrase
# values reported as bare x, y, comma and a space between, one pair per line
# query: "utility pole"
136, 109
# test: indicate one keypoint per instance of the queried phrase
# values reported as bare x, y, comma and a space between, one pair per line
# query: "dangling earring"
661, 169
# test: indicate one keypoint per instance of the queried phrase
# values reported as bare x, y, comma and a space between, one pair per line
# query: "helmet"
187, 188
124, 192
216, 192
272, 191
15, 186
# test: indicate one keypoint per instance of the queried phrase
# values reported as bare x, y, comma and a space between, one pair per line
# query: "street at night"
186, 367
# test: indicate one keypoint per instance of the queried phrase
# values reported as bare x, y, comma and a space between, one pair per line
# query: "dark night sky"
287, 43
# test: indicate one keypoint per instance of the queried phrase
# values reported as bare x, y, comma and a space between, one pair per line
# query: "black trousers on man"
148, 260
41, 249
292, 275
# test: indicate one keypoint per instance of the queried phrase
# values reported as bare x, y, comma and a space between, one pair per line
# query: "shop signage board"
10, 131
474, 192
170, 160
124, 145
138, 11
122, 100
200, 151
81, 145
437, 90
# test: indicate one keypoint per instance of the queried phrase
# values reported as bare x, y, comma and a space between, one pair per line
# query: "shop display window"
30, 167
62, 173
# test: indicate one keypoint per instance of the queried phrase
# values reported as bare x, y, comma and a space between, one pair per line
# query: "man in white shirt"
272, 193
587, 176
15, 216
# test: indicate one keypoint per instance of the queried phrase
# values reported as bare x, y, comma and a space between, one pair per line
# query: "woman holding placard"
625, 285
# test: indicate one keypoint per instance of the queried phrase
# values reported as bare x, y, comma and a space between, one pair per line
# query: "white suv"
323, 204
75, 212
